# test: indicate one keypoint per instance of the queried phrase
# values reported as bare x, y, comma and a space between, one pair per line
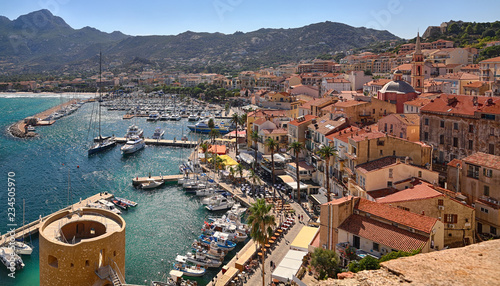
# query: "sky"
165, 17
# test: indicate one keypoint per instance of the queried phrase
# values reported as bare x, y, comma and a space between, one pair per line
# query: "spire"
417, 47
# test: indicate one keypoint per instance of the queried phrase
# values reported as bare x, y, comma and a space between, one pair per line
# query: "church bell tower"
417, 68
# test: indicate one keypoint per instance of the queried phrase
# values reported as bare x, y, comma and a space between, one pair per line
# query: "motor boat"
133, 145
190, 270
119, 204
151, 184
133, 130
22, 248
220, 204
211, 250
158, 134
199, 259
10, 259
127, 202
175, 117
222, 241
155, 116
193, 117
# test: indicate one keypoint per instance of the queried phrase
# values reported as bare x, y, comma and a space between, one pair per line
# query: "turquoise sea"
164, 223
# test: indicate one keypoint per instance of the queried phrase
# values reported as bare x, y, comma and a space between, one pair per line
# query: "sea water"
53, 170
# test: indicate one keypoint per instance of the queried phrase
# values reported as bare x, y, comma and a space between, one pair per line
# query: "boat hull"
101, 147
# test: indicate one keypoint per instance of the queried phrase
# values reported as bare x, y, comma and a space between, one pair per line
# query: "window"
450, 218
471, 128
376, 247
400, 134
426, 136
393, 152
493, 230
381, 153
389, 184
473, 171
492, 131
441, 139
486, 190
440, 202
390, 173
491, 149
420, 174
470, 144
455, 126
385, 127
403, 208
52, 261
391, 129
426, 121
441, 124
484, 210
487, 172
455, 142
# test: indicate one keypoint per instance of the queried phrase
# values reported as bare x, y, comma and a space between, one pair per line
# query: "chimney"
474, 100
398, 160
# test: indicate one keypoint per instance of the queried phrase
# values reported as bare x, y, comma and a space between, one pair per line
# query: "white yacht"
134, 144
220, 204
151, 184
175, 117
133, 130
193, 117
158, 134
22, 248
10, 259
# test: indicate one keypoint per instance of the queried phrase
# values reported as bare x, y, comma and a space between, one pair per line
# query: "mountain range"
41, 42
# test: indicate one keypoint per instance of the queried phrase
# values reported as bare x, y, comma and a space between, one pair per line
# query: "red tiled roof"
339, 201
259, 121
407, 118
454, 162
418, 192
418, 102
401, 217
463, 105
374, 134
483, 159
275, 131
492, 60
307, 119
382, 192
343, 135
475, 84
349, 103
385, 234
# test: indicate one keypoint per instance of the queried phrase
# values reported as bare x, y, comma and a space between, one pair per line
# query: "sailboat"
101, 143
19, 246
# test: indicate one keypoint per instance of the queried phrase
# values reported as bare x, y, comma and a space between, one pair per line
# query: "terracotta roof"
376, 164
382, 192
374, 134
307, 119
384, 234
484, 160
344, 134
349, 103
419, 192
262, 112
259, 121
404, 67
458, 76
380, 82
475, 84
409, 118
418, 102
317, 102
275, 131
326, 126
492, 60
454, 162
463, 105
339, 201
401, 217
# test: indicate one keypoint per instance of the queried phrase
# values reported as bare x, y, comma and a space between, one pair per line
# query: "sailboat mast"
99, 87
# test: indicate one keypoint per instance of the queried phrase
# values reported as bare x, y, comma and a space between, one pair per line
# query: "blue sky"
164, 17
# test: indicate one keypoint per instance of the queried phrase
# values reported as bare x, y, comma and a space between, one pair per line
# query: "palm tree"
254, 179
239, 169
297, 147
214, 133
204, 148
235, 119
326, 152
261, 222
255, 138
211, 123
272, 145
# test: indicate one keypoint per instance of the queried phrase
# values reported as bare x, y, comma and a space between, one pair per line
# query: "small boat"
101, 145
10, 259
222, 241
151, 184
220, 204
155, 116
22, 248
99, 205
133, 145
202, 127
207, 192
212, 199
119, 204
30, 128
127, 202
158, 134
109, 205
133, 130
190, 270
194, 186
193, 117
175, 117
199, 259
165, 117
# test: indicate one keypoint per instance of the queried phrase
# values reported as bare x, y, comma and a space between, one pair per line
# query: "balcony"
365, 114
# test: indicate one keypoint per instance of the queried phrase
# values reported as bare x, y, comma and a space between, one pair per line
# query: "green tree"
239, 169
397, 254
325, 260
367, 263
255, 138
326, 152
214, 133
272, 145
489, 33
235, 119
469, 29
297, 147
454, 28
211, 123
204, 148
254, 179
261, 222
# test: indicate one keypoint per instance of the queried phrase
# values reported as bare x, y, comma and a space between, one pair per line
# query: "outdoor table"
259, 254
280, 230
271, 241
267, 245
273, 237
276, 234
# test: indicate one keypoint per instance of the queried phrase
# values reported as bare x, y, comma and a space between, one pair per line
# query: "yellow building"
458, 218
272, 115
364, 111
82, 247
406, 126
376, 229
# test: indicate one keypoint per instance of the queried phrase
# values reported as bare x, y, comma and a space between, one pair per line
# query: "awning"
289, 266
227, 277
226, 140
247, 158
319, 199
304, 238
292, 183
228, 161
221, 149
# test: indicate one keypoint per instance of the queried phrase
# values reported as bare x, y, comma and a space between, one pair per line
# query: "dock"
170, 178
162, 142
32, 228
